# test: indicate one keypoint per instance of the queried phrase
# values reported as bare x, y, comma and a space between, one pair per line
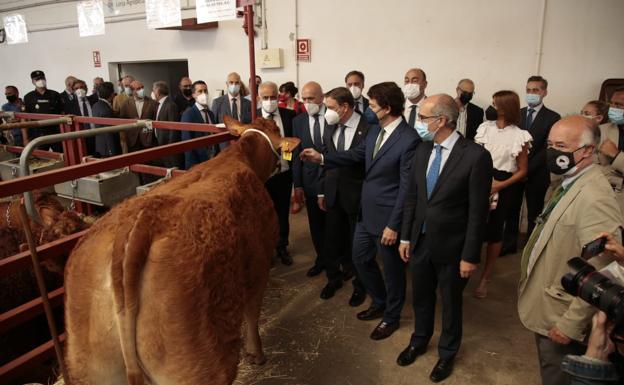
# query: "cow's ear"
234, 127
289, 144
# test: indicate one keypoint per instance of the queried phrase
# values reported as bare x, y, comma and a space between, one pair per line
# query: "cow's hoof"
255, 359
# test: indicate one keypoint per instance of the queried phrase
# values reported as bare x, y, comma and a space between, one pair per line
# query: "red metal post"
252, 58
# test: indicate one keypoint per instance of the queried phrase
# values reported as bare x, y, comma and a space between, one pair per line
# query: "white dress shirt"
238, 104
160, 104
284, 166
462, 120
321, 122
205, 116
408, 107
350, 128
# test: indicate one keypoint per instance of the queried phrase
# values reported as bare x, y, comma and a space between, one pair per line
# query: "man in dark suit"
167, 111
280, 183
443, 226
81, 105
386, 154
340, 190
137, 139
470, 115
107, 144
232, 103
199, 113
184, 99
354, 81
67, 96
537, 119
310, 128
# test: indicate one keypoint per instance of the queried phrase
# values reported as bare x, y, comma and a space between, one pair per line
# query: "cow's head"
275, 146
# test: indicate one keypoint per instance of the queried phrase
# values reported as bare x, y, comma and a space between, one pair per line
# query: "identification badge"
287, 155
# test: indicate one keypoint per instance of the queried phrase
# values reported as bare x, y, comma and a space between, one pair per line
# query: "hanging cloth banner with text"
215, 10
163, 13
90, 18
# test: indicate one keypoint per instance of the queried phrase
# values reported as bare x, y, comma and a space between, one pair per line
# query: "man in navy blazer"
386, 154
198, 113
232, 103
106, 144
310, 127
354, 81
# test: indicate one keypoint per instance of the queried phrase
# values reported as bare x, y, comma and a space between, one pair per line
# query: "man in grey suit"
167, 110
232, 103
107, 144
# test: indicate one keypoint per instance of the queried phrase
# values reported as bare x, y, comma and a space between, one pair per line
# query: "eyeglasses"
423, 117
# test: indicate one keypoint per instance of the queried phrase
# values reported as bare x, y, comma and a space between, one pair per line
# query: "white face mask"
312, 108
411, 90
233, 89
269, 105
128, 91
331, 117
202, 99
80, 93
153, 96
356, 92
41, 83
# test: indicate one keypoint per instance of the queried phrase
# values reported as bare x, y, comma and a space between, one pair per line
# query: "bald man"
470, 115
232, 103
444, 216
580, 209
414, 85
310, 127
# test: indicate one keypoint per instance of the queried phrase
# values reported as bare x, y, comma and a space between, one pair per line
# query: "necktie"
434, 170
85, 110
412, 116
540, 222
529, 120
205, 115
234, 109
318, 141
357, 107
380, 137
341, 138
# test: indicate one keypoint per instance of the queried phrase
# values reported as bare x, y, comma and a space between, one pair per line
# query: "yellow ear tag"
286, 154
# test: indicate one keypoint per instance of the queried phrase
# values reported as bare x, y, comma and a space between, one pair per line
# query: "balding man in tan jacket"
579, 210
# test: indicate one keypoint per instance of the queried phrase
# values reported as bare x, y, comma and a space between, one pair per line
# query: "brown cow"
156, 292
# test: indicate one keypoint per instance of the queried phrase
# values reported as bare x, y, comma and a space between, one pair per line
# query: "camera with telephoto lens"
598, 290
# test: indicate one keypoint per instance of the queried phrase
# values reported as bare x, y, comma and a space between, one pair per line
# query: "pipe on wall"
540, 38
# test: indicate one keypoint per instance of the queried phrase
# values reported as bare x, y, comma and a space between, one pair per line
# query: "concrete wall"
494, 42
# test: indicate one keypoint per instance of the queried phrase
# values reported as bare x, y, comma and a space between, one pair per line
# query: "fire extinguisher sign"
303, 50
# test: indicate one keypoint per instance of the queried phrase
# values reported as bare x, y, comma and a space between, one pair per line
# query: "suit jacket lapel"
422, 168
394, 137
370, 146
328, 137
453, 160
359, 132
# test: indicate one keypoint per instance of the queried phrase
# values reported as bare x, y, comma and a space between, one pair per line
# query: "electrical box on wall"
269, 58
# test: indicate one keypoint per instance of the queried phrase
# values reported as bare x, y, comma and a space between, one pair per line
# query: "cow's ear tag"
286, 153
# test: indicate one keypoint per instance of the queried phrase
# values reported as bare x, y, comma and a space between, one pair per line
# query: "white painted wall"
494, 42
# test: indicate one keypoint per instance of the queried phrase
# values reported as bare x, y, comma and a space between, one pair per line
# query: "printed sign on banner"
215, 10
90, 18
163, 13
15, 29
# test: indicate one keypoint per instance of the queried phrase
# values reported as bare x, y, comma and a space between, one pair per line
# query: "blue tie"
529, 120
434, 170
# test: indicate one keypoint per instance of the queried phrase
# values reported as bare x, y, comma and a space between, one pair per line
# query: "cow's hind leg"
253, 345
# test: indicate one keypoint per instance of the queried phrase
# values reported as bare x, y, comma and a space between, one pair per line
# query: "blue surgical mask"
233, 89
422, 129
616, 115
140, 93
533, 99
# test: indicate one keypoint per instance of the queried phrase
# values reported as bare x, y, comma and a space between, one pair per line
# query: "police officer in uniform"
43, 101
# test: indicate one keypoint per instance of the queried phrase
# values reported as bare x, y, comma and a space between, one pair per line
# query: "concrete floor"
310, 341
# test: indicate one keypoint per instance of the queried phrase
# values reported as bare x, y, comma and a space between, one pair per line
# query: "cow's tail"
130, 251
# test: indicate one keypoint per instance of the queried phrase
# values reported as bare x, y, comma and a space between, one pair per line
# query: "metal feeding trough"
9, 169
104, 189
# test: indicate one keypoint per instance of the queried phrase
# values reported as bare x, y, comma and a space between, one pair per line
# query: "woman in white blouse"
509, 146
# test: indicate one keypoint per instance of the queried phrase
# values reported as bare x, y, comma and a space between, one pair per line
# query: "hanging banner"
90, 18
123, 7
215, 10
163, 13
15, 29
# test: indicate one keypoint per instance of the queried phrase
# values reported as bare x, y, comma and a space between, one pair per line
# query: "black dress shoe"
357, 298
442, 369
314, 271
371, 313
331, 288
408, 356
384, 330
284, 257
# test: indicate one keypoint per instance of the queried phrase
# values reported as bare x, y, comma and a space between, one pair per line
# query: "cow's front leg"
253, 344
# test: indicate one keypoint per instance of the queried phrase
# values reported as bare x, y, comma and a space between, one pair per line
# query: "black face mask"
187, 92
560, 162
490, 113
465, 97
11, 98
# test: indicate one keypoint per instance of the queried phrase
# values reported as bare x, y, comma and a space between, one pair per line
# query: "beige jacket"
118, 100
586, 209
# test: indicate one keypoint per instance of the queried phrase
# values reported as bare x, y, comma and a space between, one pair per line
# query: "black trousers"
279, 187
316, 221
427, 276
339, 231
535, 191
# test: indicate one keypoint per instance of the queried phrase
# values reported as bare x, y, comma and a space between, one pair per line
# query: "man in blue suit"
106, 145
386, 153
198, 113
354, 81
